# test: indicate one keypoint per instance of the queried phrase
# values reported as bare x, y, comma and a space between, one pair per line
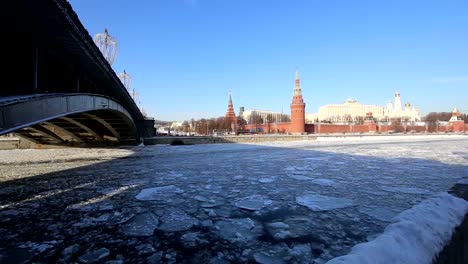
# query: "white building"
408, 113
351, 110
263, 116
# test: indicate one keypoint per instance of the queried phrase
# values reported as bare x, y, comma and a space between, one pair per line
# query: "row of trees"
207, 126
434, 117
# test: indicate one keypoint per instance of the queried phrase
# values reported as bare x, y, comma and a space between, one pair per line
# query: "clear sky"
186, 55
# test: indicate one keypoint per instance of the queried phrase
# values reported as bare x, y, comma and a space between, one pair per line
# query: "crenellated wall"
285, 128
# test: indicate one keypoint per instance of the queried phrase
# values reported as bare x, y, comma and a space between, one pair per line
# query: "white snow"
389, 138
317, 202
416, 235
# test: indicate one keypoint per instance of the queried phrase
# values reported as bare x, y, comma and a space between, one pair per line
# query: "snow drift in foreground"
416, 235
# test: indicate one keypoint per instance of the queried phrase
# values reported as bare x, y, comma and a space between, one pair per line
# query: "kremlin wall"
371, 124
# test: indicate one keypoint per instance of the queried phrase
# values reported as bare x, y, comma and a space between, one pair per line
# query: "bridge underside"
68, 120
57, 88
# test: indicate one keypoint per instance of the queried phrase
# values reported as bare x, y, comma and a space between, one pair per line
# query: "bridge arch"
68, 119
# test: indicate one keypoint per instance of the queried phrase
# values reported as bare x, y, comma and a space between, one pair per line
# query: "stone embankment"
281, 137
225, 139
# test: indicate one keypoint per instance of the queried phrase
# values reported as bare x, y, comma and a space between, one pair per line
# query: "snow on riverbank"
402, 137
416, 235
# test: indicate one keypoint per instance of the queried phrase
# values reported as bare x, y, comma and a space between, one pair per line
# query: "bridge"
57, 88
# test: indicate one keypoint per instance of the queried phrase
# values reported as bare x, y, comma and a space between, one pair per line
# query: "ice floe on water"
141, 225
407, 190
175, 220
238, 230
253, 202
300, 177
291, 202
193, 239
278, 230
379, 213
317, 202
266, 180
158, 193
323, 182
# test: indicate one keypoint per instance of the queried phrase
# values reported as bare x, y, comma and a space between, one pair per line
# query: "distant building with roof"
351, 110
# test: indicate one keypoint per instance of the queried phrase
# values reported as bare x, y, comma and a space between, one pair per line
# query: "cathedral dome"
350, 101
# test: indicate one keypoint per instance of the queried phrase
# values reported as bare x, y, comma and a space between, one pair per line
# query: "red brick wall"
458, 126
270, 128
333, 128
339, 129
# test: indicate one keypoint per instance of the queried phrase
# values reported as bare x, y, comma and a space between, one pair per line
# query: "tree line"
434, 117
207, 126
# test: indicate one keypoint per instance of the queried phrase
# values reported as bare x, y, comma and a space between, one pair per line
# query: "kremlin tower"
297, 109
458, 125
230, 117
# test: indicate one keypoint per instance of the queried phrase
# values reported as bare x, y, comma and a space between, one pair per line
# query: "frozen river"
297, 202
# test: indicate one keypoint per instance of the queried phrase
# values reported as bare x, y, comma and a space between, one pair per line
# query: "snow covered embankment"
416, 235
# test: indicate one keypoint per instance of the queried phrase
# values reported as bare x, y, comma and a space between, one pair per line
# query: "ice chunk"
417, 235
140, 225
266, 180
317, 202
323, 182
293, 227
238, 230
192, 239
158, 193
201, 198
299, 177
175, 220
279, 230
276, 254
40, 247
379, 213
408, 190
212, 203
263, 258
208, 202
254, 202
174, 174
301, 251
278, 225
94, 256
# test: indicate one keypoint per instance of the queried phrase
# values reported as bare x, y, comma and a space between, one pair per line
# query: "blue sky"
186, 55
